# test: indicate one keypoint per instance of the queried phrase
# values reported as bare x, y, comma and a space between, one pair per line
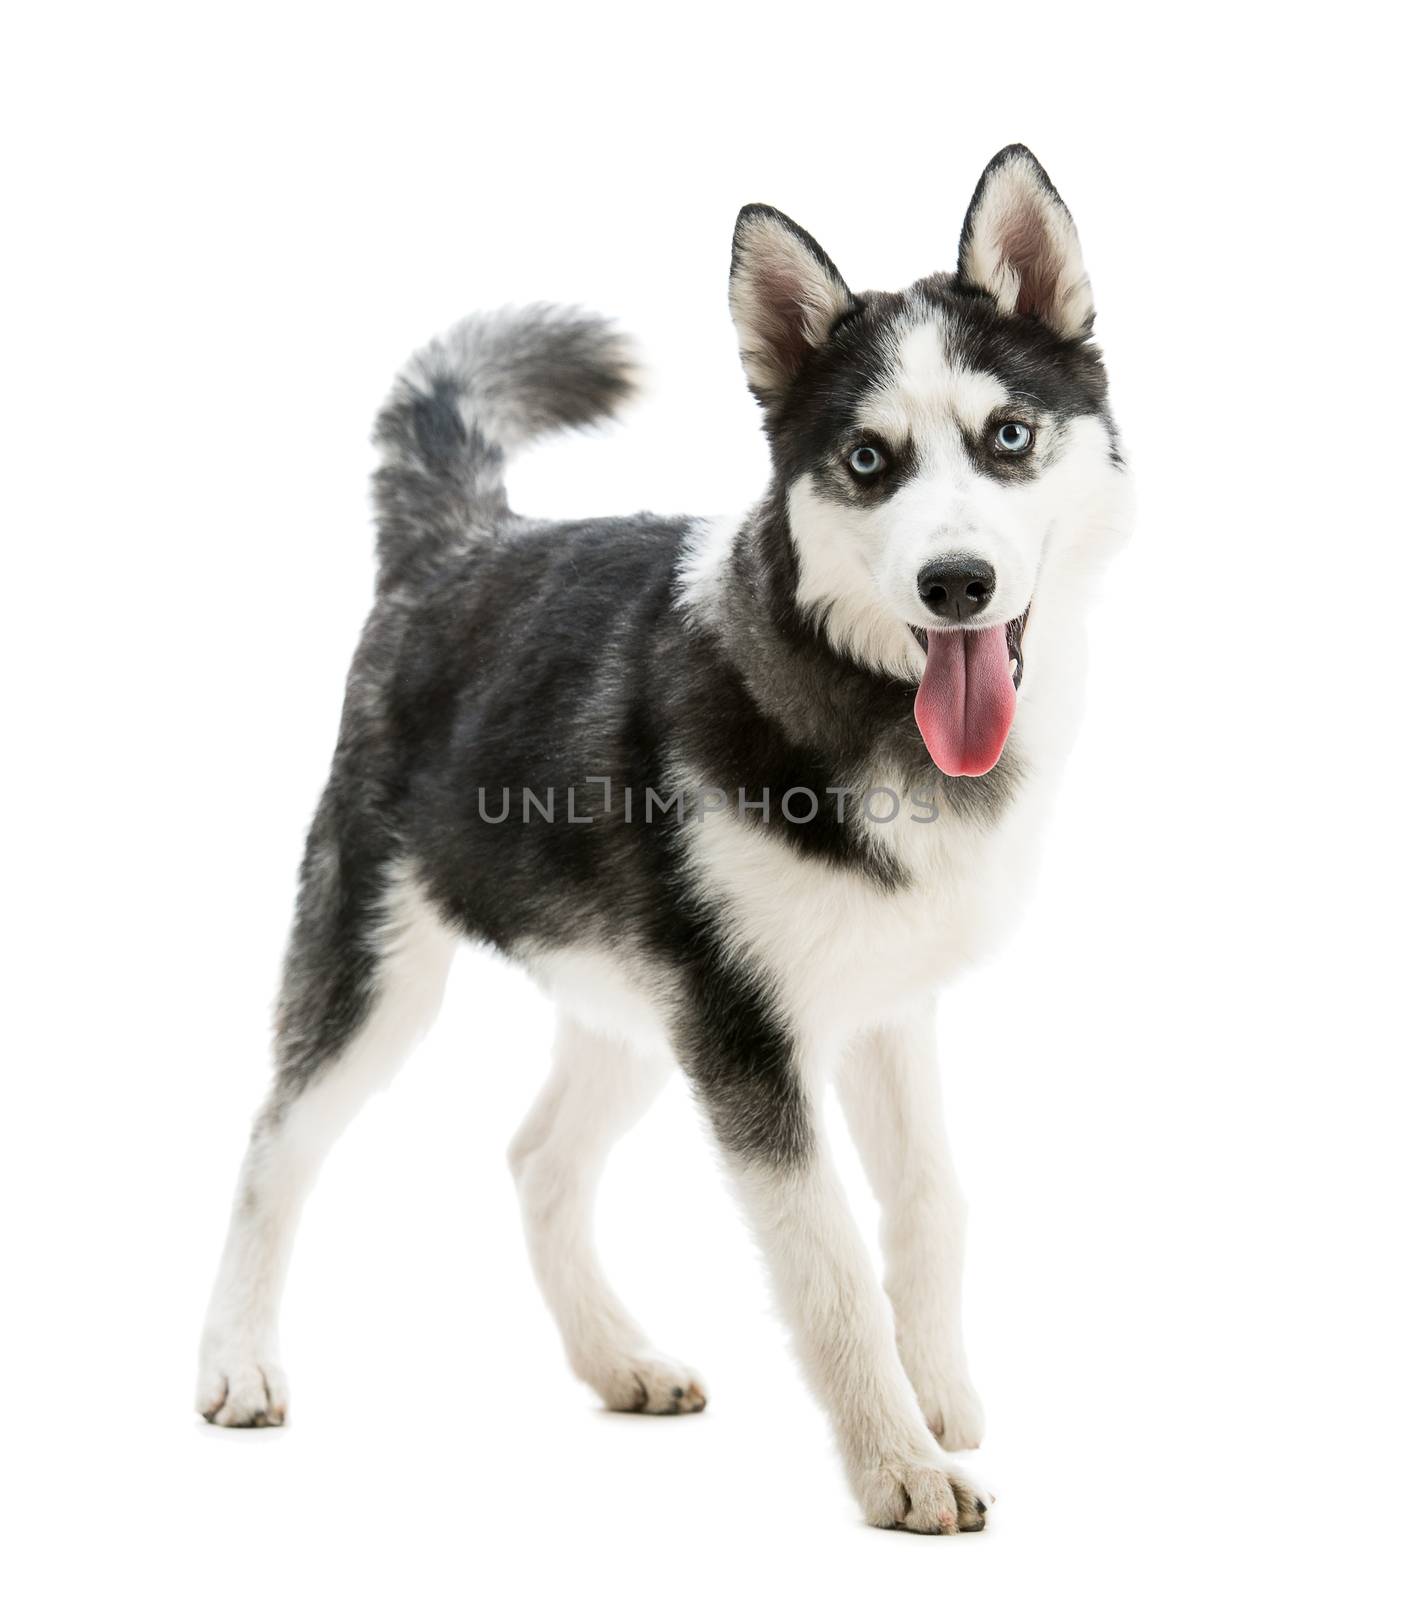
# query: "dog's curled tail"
469, 400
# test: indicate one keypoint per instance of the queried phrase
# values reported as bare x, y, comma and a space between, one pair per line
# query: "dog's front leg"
747, 1071
890, 1089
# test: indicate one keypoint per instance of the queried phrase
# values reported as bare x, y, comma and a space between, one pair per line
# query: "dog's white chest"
843, 949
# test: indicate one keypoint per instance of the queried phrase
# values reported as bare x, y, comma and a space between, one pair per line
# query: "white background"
1178, 1096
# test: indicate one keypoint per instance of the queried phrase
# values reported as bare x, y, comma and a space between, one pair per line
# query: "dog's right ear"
784, 295
1020, 247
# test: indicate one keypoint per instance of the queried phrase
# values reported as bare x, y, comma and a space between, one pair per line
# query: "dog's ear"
1019, 245
784, 295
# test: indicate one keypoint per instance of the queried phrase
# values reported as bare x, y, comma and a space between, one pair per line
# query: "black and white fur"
775, 652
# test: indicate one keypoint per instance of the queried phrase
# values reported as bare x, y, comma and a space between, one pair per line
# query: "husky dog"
741, 794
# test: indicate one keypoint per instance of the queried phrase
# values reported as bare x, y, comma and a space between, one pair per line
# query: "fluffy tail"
470, 399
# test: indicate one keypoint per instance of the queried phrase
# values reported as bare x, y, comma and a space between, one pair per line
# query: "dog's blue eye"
866, 462
1013, 437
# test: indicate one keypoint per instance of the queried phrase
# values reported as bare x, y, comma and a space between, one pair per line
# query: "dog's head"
943, 450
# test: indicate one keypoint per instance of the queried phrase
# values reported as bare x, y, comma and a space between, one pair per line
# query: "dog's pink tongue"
965, 703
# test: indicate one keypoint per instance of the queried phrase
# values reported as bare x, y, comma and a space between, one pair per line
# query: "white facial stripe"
838, 554
927, 394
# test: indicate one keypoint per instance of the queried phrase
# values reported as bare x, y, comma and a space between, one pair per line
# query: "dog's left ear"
1020, 246
784, 295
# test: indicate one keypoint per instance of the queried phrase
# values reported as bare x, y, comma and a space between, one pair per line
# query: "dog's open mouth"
968, 694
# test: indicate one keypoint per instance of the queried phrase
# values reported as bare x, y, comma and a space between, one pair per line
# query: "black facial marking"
835, 480
817, 423
1013, 466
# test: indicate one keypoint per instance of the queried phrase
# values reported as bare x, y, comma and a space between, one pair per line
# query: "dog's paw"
242, 1392
956, 1417
922, 1497
650, 1383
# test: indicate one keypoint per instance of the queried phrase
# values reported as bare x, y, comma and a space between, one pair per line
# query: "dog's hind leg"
598, 1088
890, 1090
364, 976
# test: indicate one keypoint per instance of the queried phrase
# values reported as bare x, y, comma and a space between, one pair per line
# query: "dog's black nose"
957, 586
